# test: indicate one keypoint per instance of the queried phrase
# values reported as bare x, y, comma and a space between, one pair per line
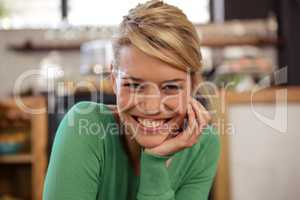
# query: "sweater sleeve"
154, 179
74, 167
155, 183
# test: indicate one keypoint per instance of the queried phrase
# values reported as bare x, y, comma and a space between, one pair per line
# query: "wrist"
155, 153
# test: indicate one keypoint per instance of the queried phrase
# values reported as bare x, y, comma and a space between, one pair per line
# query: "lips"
151, 125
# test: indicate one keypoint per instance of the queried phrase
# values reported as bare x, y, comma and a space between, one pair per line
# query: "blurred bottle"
96, 57
50, 73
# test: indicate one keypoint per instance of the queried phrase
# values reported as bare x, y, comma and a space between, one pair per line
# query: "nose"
150, 102
151, 106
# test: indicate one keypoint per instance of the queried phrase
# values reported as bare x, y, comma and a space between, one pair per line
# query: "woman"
155, 143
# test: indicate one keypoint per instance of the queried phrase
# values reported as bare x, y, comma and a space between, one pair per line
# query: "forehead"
133, 62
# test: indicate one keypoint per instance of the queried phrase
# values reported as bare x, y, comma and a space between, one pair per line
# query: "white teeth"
150, 123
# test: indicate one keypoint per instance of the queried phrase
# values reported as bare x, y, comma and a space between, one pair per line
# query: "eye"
133, 86
172, 88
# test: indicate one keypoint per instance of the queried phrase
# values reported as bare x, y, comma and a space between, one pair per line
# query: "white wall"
265, 164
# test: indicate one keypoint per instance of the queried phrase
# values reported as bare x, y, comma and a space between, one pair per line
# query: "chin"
150, 141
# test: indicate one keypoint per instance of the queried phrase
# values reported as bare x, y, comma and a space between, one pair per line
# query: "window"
31, 13
110, 12
47, 13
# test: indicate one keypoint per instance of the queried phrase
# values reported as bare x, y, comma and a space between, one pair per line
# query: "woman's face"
152, 96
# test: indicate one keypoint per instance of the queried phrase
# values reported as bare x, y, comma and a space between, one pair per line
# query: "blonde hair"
162, 31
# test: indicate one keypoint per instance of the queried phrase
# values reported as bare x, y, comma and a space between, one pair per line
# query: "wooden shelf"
213, 35
38, 156
29, 46
211, 42
242, 41
16, 159
239, 33
263, 96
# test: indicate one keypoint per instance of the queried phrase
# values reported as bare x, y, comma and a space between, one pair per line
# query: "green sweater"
89, 162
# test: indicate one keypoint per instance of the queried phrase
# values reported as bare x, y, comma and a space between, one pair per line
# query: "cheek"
177, 103
124, 99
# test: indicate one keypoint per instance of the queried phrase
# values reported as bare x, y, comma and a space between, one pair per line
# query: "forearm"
154, 179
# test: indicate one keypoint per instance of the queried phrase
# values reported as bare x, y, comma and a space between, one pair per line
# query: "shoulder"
78, 152
87, 113
82, 132
209, 139
202, 158
85, 122
206, 150
88, 109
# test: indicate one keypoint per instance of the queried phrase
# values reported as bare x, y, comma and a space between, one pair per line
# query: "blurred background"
54, 53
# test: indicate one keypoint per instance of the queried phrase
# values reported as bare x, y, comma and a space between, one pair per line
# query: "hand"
198, 117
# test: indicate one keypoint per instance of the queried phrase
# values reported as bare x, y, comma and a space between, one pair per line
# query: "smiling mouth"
151, 124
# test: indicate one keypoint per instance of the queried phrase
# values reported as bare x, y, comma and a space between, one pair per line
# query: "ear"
113, 79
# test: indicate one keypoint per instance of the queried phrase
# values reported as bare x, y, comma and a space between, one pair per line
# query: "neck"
134, 148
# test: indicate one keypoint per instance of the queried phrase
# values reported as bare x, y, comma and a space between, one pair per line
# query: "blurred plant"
3, 10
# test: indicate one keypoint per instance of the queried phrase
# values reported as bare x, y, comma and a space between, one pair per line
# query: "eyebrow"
141, 80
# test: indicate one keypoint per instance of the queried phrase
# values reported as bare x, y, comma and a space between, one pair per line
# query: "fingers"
192, 123
190, 135
197, 127
202, 114
202, 117
198, 117
203, 110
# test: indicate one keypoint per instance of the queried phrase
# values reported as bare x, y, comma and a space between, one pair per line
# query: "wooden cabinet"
30, 162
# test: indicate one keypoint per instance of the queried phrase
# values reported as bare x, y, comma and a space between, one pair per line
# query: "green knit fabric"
89, 162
